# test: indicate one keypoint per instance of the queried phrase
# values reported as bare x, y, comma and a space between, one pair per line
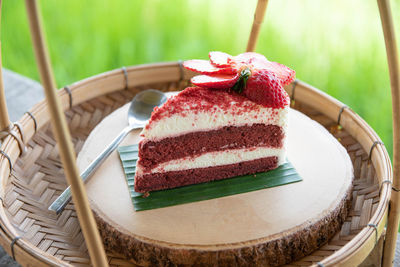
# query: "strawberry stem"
241, 82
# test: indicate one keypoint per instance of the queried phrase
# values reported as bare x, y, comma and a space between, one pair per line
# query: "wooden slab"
271, 226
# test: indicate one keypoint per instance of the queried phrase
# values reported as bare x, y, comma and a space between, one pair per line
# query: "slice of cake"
234, 123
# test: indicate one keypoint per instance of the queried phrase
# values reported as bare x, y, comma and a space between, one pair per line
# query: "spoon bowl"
143, 104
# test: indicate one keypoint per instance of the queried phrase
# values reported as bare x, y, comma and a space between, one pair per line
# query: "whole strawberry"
264, 88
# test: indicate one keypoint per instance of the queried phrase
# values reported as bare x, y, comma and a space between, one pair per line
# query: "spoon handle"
61, 202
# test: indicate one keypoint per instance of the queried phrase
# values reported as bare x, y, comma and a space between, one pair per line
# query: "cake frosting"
218, 129
206, 110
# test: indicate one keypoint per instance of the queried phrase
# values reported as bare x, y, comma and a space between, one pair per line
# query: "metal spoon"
139, 113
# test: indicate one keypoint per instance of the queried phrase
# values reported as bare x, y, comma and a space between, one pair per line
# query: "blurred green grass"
336, 46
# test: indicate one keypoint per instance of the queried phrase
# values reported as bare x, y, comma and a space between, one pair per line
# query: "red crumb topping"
196, 99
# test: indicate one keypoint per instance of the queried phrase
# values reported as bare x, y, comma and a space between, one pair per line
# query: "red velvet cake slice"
220, 129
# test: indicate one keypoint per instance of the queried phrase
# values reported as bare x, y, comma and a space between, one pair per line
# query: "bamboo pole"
393, 63
63, 137
4, 119
258, 20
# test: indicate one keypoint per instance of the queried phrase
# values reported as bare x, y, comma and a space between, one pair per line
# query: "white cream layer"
186, 122
218, 158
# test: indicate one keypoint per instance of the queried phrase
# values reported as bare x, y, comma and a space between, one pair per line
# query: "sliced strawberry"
264, 88
220, 59
248, 57
219, 81
205, 67
285, 74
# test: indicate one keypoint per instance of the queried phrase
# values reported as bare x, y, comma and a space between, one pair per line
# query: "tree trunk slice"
268, 227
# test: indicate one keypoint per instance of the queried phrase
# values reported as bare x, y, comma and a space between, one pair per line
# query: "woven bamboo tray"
30, 181
32, 234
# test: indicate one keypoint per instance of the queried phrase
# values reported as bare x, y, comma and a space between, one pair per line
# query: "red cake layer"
192, 144
159, 181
